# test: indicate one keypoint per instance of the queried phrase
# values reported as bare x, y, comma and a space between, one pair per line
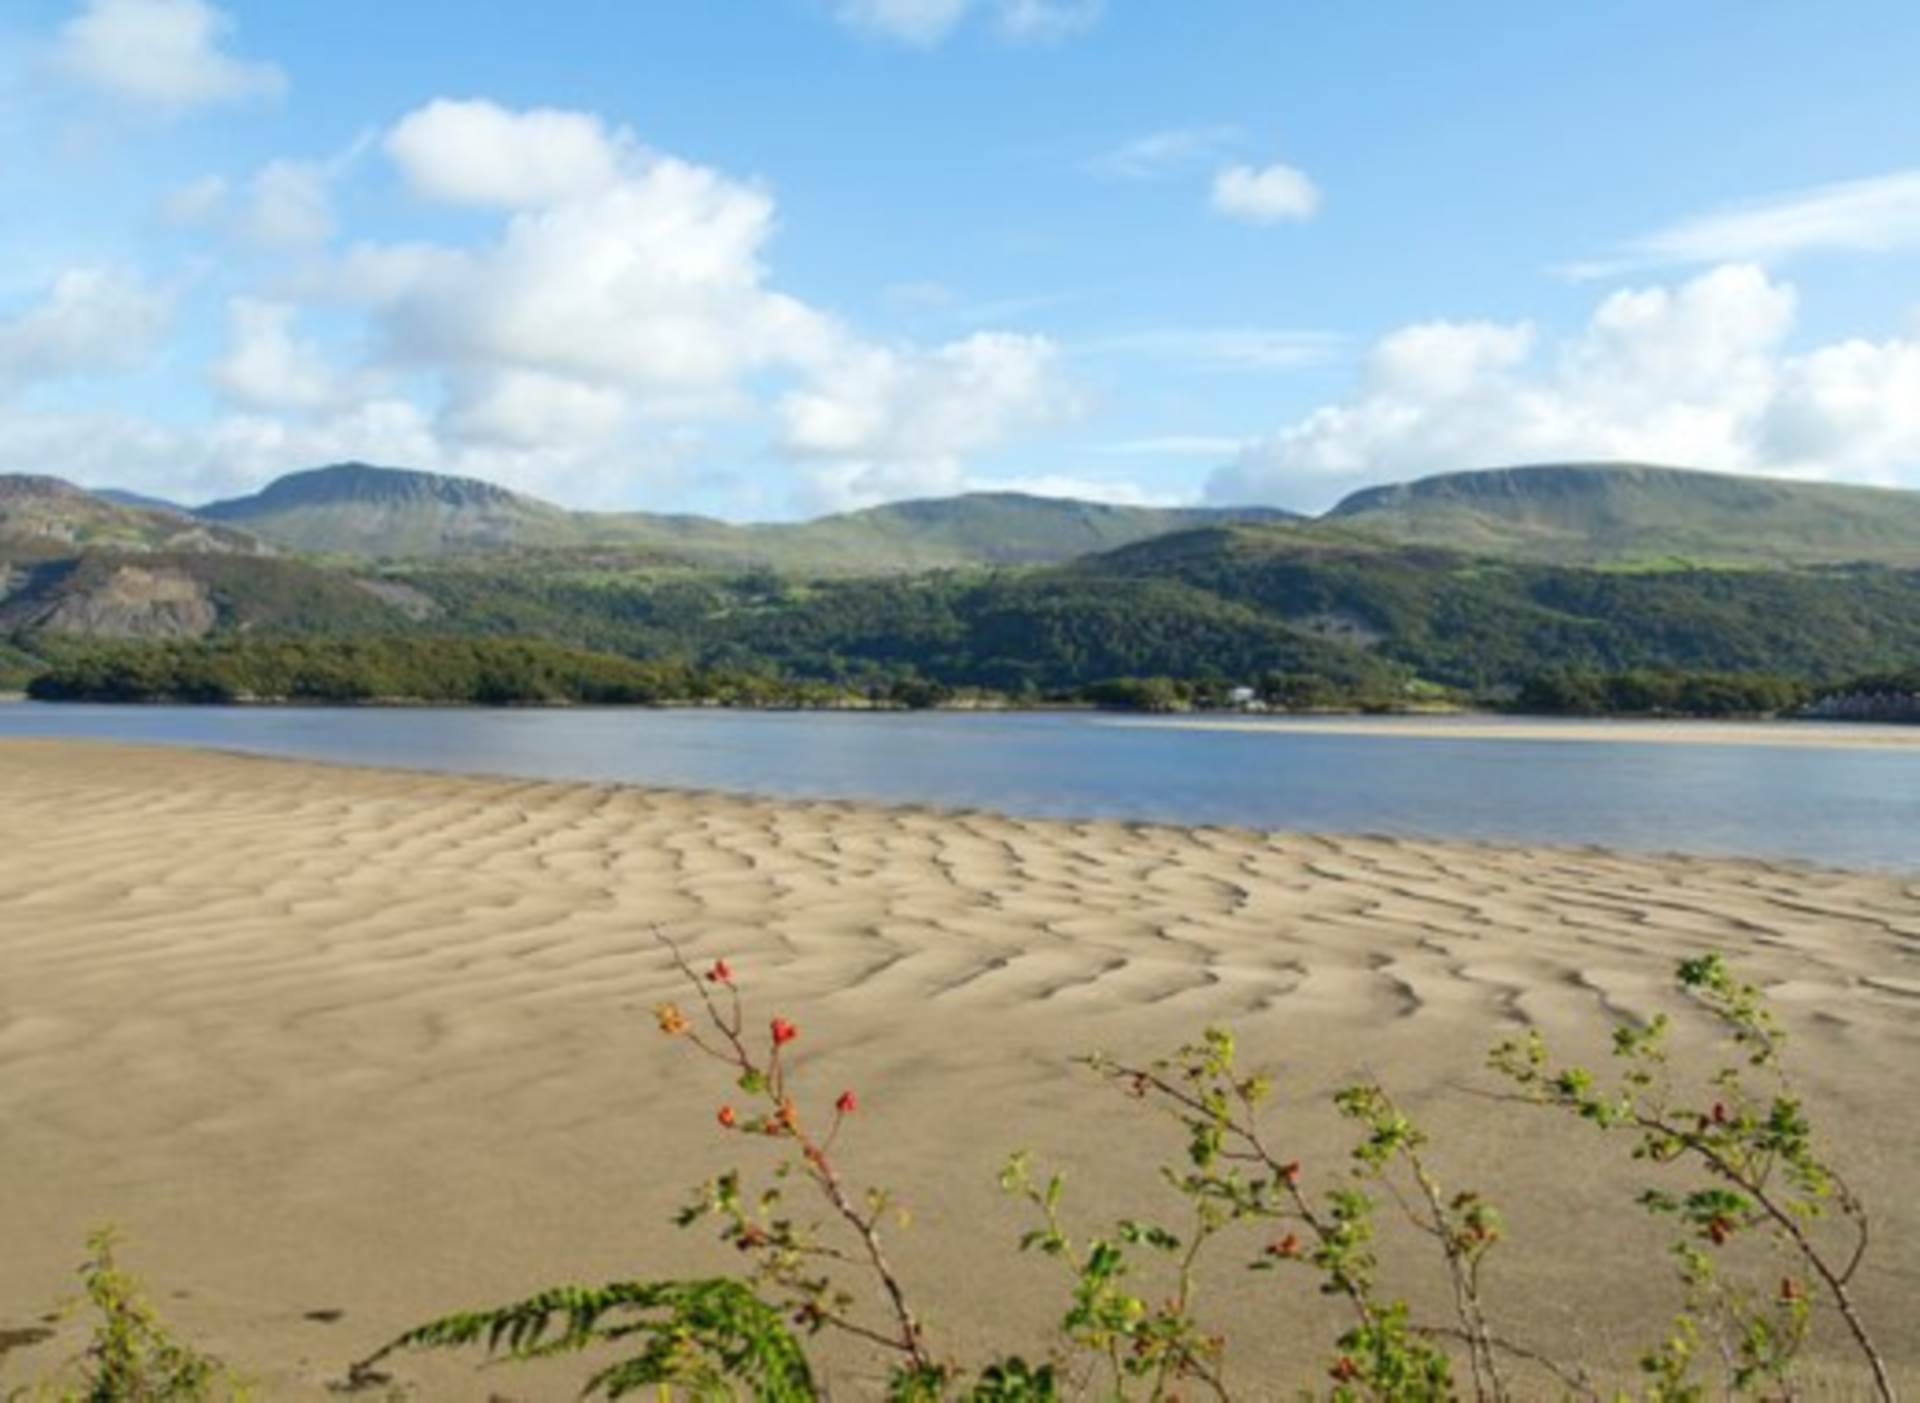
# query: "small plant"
132, 1356
1132, 1327
702, 1335
1762, 1173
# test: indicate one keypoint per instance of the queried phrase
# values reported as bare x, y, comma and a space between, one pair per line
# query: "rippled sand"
343, 1048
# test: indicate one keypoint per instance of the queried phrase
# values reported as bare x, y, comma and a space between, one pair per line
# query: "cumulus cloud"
480, 153
1878, 215
880, 422
1265, 194
653, 285
1694, 374
621, 301
266, 367
92, 321
166, 53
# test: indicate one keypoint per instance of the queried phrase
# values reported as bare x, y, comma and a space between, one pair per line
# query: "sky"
769, 258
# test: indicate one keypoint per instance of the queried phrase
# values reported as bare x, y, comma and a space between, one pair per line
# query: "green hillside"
354, 509
1632, 514
387, 513
1474, 622
44, 514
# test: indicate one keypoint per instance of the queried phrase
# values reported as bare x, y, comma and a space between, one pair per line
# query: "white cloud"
1265, 194
1876, 215
621, 302
163, 52
93, 321
196, 202
654, 284
1042, 21
265, 366
289, 205
1439, 359
224, 457
1165, 152
882, 423
1221, 348
479, 153
1852, 410
925, 23
524, 410
1693, 375
918, 22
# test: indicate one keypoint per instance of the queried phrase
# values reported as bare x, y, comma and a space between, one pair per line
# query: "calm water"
1850, 807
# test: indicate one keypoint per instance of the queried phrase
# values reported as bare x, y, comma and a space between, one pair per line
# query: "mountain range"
1472, 581
354, 509
1602, 514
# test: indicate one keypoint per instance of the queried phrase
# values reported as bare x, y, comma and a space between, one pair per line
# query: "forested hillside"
1326, 612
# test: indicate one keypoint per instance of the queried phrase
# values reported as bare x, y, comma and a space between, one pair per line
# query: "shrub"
132, 1356
1754, 1148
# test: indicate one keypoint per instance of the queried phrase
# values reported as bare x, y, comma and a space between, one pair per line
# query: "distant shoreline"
1427, 723
1490, 726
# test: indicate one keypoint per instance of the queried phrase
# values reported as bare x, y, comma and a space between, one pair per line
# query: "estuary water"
1853, 807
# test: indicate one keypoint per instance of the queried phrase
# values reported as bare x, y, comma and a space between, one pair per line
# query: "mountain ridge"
363, 510
1613, 513
1604, 514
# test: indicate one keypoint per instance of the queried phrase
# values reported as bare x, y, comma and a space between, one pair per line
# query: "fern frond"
694, 1334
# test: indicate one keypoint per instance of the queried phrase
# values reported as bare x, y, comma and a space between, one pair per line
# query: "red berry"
721, 973
783, 1032
846, 1105
1290, 1171
727, 1117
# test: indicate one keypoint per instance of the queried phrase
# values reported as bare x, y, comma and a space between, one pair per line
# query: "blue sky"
766, 257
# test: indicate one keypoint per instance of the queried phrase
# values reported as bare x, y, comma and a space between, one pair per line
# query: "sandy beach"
341, 1049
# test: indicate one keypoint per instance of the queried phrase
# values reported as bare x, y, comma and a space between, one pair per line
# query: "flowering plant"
1119, 1339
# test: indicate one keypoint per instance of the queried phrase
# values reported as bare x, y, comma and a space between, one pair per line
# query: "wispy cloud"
926, 23
1222, 348
1876, 215
1042, 21
1166, 152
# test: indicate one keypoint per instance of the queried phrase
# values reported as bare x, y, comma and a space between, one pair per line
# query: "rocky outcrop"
128, 601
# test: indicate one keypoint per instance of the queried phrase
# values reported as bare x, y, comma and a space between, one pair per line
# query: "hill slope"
1628, 513
1472, 622
356, 509
40, 514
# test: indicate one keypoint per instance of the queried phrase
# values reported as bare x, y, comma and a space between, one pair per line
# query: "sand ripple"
329, 1039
